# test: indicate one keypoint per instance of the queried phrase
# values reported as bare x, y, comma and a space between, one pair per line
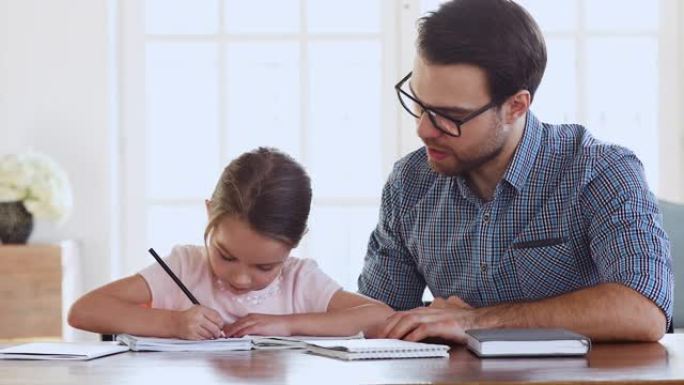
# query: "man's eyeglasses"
446, 124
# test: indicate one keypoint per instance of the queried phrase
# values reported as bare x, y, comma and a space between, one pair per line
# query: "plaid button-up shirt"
570, 212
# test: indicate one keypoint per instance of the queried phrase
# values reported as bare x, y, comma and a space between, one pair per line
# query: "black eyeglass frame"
432, 112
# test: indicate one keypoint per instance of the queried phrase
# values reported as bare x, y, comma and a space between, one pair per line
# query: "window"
205, 80
603, 70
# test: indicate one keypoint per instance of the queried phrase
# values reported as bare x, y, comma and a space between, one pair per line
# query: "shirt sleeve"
627, 240
313, 289
389, 273
165, 293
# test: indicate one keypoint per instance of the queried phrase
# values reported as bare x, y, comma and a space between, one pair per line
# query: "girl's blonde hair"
266, 188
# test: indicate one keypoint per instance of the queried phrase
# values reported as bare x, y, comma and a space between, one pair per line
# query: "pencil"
173, 276
177, 280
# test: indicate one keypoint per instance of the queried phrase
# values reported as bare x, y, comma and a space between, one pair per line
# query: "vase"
16, 223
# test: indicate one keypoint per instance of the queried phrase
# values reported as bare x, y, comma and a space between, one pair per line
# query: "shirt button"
483, 267
485, 217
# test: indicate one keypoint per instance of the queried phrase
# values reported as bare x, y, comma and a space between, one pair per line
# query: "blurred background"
144, 102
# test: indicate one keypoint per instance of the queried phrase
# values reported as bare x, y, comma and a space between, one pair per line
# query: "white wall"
672, 98
680, 99
54, 99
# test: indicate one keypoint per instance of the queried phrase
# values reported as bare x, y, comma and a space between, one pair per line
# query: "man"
508, 221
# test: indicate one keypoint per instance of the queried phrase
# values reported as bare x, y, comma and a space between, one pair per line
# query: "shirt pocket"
545, 267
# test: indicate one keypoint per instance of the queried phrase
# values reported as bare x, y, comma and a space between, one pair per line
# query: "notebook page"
137, 343
61, 350
294, 342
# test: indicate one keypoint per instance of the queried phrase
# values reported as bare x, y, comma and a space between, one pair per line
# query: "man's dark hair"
498, 36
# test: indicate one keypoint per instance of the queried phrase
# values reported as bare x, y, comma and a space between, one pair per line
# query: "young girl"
242, 276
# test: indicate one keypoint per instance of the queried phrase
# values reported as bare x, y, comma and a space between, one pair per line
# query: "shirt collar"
519, 169
523, 160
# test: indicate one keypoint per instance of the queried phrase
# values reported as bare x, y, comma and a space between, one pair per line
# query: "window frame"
132, 223
398, 130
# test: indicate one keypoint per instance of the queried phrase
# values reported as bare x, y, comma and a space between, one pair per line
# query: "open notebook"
377, 349
151, 344
61, 351
136, 343
346, 348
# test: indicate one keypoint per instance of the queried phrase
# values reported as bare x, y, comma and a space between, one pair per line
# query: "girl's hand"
198, 323
260, 324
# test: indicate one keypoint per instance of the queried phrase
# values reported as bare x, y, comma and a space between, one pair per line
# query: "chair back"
673, 223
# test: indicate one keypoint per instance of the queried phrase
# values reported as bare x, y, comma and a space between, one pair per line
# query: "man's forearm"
605, 312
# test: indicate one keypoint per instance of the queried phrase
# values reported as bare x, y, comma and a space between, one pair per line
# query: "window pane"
429, 5
182, 124
604, 15
262, 17
181, 16
350, 16
556, 15
555, 100
622, 96
338, 238
263, 97
345, 108
168, 226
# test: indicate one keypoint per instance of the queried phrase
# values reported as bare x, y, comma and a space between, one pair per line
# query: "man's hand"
259, 324
444, 318
198, 323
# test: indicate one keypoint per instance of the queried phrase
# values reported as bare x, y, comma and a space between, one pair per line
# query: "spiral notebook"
369, 349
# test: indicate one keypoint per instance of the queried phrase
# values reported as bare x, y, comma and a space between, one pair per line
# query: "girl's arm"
119, 307
347, 314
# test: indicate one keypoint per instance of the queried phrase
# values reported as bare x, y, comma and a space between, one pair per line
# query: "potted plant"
31, 186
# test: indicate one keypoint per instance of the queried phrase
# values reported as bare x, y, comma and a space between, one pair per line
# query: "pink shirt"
300, 288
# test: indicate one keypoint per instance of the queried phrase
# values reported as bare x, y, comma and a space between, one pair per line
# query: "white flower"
38, 182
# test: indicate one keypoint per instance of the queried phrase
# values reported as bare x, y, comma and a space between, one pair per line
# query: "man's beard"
489, 151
